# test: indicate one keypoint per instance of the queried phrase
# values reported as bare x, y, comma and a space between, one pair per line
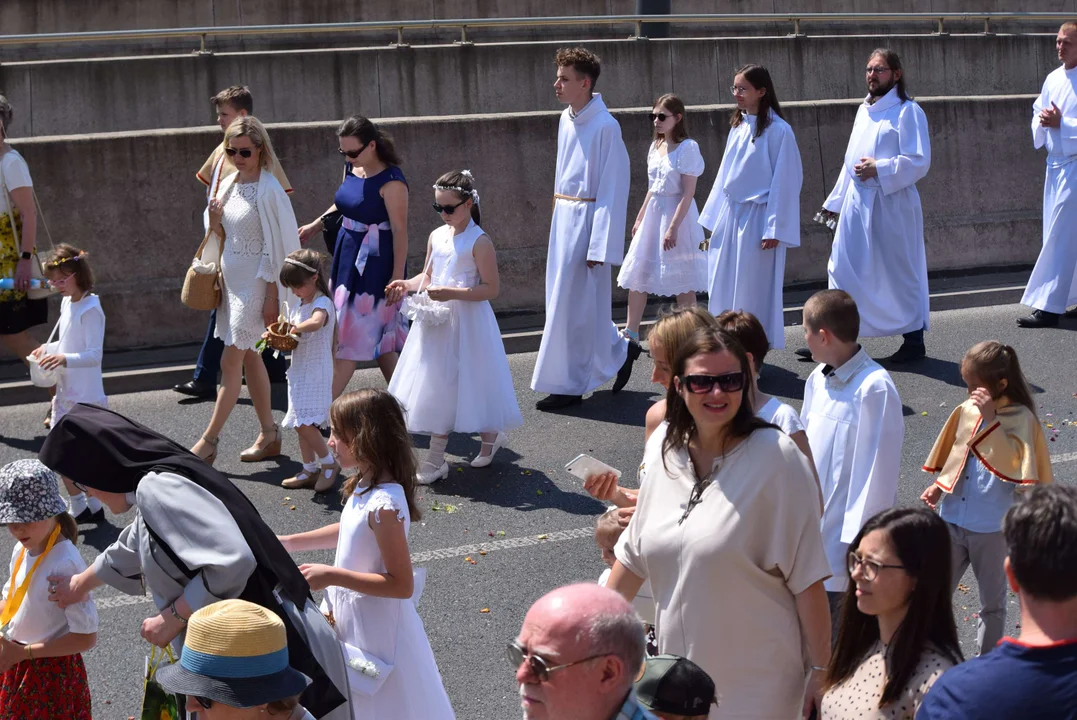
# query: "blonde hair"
251, 127
676, 325
607, 528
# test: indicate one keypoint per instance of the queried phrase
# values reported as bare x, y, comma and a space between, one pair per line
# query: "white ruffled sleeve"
689, 159
383, 498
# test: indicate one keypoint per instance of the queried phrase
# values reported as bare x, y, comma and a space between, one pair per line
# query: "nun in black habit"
195, 539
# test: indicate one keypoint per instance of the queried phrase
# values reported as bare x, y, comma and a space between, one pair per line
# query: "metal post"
987, 26
202, 46
463, 37
654, 7
942, 28
399, 39
796, 28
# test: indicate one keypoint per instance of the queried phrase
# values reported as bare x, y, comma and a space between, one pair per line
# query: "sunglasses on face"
350, 154
538, 665
700, 384
660, 117
79, 486
232, 152
206, 703
447, 209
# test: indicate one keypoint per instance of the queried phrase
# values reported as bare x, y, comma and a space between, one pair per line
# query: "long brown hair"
922, 543
682, 426
293, 276
69, 528
367, 132
992, 362
675, 105
758, 77
371, 422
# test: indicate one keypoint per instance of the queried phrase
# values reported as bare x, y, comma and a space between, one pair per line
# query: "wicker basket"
279, 338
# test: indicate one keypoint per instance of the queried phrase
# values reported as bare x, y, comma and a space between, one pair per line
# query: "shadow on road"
32, 445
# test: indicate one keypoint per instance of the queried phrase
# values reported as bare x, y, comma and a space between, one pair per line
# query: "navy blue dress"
367, 326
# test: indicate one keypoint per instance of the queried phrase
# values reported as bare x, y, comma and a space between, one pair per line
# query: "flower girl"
453, 375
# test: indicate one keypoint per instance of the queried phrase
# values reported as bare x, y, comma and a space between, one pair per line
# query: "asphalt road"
530, 518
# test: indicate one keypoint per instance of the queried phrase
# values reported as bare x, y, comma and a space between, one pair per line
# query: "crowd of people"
772, 573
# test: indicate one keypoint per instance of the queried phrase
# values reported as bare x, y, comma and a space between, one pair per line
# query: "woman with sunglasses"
454, 375
665, 257
369, 251
897, 633
753, 210
727, 531
251, 216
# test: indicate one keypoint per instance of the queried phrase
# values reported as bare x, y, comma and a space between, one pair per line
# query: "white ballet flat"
482, 461
429, 474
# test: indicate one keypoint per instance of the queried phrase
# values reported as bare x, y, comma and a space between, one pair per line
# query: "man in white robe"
581, 347
1053, 283
878, 254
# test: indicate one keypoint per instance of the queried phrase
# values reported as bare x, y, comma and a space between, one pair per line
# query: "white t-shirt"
16, 174
776, 412
39, 620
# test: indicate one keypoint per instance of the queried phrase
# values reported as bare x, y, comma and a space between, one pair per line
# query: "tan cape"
1013, 447
205, 174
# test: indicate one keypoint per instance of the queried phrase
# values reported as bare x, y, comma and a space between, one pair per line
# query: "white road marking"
1063, 458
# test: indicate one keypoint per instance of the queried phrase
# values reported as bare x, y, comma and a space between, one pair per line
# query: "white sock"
327, 460
93, 503
436, 454
77, 503
311, 467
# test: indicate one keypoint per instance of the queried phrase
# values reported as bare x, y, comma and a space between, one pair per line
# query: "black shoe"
907, 353
325, 431
556, 402
623, 375
803, 354
198, 389
1072, 313
87, 516
1038, 319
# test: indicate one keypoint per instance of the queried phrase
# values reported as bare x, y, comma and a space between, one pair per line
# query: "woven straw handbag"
202, 285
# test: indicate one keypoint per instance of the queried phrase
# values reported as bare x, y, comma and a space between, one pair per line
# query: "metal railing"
463, 26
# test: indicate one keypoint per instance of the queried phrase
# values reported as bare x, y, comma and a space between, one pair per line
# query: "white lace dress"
310, 374
387, 628
246, 268
647, 267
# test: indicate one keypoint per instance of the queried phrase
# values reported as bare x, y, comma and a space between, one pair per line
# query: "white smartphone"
584, 466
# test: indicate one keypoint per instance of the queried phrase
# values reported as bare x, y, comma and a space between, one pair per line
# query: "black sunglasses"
661, 117
700, 384
79, 486
206, 703
447, 209
350, 154
536, 664
232, 152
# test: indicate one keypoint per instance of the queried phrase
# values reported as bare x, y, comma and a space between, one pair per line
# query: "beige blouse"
858, 697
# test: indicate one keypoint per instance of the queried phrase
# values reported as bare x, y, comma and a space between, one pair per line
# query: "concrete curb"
165, 375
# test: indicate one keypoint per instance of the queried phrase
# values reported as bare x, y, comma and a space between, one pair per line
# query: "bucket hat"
29, 492
236, 653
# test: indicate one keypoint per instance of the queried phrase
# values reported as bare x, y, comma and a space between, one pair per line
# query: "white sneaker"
482, 461
429, 473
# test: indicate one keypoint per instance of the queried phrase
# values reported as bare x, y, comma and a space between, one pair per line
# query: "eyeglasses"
700, 384
538, 665
870, 568
447, 209
877, 70
79, 486
350, 154
738, 90
206, 703
232, 152
660, 117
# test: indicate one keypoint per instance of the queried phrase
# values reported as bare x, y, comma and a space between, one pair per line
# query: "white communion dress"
647, 266
454, 377
388, 629
310, 375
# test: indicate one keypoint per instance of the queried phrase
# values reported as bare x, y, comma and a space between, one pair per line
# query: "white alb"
80, 339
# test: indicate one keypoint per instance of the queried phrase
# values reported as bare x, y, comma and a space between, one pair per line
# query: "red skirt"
46, 689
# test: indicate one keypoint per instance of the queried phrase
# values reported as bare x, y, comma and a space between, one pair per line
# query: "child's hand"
601, 486
395, 291
49, 362
931, 496
318, 576
624, 516
10, 655
439, 293
38, 351
982, 399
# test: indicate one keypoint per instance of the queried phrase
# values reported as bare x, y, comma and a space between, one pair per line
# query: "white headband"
306, 267
473, 193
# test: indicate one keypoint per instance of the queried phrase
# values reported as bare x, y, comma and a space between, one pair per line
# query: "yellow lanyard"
15, 597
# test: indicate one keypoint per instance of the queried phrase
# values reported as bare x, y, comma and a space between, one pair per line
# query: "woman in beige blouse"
727, 531
897, 632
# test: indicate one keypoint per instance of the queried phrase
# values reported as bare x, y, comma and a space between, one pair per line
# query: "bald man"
578, 653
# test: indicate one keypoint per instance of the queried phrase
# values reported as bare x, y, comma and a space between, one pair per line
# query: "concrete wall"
132, 201
105, 95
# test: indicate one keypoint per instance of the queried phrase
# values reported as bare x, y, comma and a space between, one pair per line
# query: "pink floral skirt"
367, 328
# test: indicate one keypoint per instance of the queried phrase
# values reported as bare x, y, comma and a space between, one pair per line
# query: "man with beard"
878, 253
1052, 285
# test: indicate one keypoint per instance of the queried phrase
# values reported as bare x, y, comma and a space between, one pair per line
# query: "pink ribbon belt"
370, 245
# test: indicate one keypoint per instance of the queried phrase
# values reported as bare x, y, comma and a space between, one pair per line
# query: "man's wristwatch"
26, 255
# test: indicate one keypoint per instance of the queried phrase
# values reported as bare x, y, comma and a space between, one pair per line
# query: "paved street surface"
493, 540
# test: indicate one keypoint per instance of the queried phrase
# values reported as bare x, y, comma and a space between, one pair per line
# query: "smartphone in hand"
584, 466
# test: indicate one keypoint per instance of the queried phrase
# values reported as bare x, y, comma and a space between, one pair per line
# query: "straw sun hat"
235, 653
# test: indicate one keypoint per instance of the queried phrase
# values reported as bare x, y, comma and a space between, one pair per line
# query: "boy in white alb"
852, 414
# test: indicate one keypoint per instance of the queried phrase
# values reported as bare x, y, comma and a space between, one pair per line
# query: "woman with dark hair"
195, 539
753, 210
897, 633
370, 251
727, 531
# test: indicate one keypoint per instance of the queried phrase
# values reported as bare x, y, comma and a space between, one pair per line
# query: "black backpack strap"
182, 566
